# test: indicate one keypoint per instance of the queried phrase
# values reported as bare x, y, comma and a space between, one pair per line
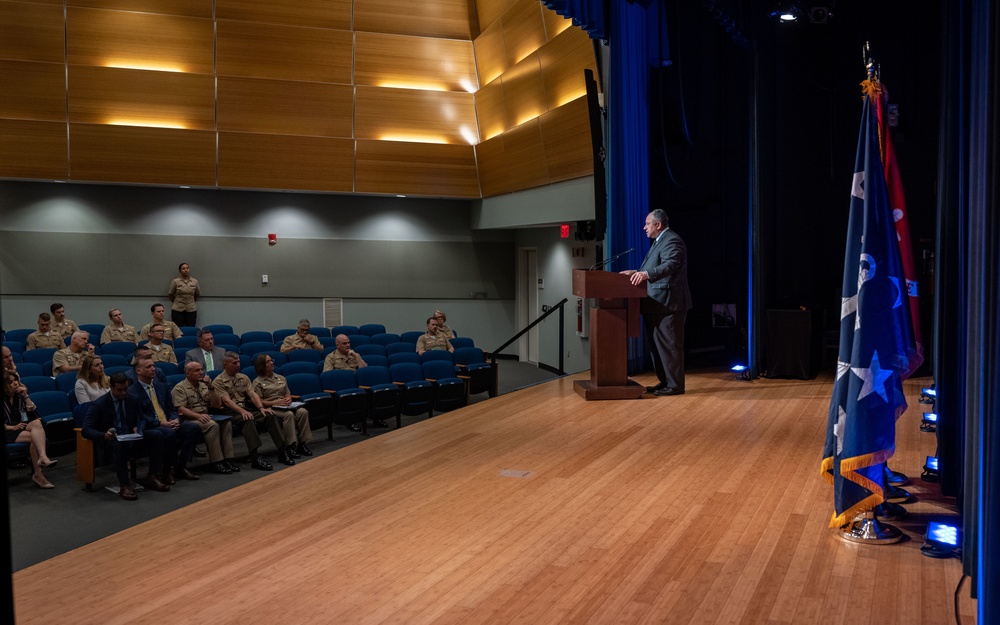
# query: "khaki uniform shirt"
196, 399
431, 341
236, 387
170, 331
446, 332
37, 340
124, 334
336, 360
66, 357
271, 388
184, 293
163, 353
66, 327
297, 342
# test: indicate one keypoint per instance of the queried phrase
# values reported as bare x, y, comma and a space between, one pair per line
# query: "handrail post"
562, 338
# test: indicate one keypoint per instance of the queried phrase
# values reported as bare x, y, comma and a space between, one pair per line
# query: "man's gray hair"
660, 215
304, 322
231, 356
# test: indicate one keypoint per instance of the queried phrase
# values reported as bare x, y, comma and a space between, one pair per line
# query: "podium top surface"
604, 285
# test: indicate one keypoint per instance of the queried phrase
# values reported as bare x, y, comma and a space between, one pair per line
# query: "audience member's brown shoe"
127, 493
187, 474
153, 483
168, 477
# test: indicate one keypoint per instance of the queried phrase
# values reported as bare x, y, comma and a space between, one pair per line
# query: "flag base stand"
868, 530
890, 511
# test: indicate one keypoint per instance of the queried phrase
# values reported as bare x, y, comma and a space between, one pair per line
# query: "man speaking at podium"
664, 310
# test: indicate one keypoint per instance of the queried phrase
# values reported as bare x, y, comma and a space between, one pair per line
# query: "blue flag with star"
875, 337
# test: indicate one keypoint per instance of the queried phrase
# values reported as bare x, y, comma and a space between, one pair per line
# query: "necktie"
156, 405
209, 365
122, 424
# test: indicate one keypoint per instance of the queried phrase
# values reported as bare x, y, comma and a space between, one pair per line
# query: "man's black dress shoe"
199, 451
666, 391
223, 468
354, 427
304, 451
653, 389
284, 458
379, 423
259, 463
292, 452
232, 466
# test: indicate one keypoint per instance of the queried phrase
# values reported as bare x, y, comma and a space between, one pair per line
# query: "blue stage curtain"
587, 14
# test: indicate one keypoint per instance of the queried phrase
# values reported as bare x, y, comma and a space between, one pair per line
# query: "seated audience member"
69, 359
273, 392
206, 354
22, 425
118, 331
160, 350
8, 363
301, 339
343, 357
194, 397
443, 329
142, 351
155, 401
242, 403
433, 339
117, 413
171, 330
65, 327
91, 383
44, 336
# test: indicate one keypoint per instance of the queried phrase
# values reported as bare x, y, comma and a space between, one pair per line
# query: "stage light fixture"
929, 422
929, 391
786, 11
930, 473
942, 540
819, 15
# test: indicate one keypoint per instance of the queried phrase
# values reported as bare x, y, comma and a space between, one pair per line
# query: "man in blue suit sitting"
156, 405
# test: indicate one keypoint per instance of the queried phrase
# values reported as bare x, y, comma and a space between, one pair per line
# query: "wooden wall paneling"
415, 115
32, 32
492, 164
259, 161
140, 41
523, 32
33, 149
284, 52
566, 140
414, 62
524, 92
489, 11
108, 95
189, 8
491, 111
450, 19
555, 23
562, 61
416, 169
285, 107
313, 13
142, 155
33, 90
491, 57
524, 156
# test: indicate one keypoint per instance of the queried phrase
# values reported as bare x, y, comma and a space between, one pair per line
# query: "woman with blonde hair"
91, 382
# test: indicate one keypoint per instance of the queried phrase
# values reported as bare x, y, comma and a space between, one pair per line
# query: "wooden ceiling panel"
563, 60
32, 32
523, 32
415, 115
392, 167
491, 56
33, 149
257, 50
33, 91
524, 92
285, 107
489, 11
142, 155
491, 112
448, 19
569, 152
189, 8
313, 13
414, 62
255, 161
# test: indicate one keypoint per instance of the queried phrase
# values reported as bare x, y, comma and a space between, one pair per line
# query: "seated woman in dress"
91, 382
22, 425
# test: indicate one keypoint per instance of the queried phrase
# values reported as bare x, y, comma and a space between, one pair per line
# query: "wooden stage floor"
534, 507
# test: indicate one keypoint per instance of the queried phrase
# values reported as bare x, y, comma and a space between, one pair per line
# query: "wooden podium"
615, 318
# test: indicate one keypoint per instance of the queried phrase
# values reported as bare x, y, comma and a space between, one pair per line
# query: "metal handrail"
562, 322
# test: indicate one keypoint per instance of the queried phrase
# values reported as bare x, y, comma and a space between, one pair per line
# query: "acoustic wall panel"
189, 8
415, 115
489, 11
142, 155
255, 50
563, 61
32, 32
106, 95
555, 23
491, 56
33, 91
33, 149
256, 161
566, 141
414, 62
491, 111
449, 19
312, 13
492, 167
140, 41
524, 156
523, 32
416, 169
524, 92
285, 107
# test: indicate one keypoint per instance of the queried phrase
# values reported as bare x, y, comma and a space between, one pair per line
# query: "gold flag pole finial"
870, 86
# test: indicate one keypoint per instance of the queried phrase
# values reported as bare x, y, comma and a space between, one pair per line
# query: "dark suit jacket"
195, 354
162, 397
101, 417
666, 264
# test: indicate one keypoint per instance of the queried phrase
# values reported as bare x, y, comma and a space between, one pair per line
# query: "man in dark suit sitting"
117, 413
145, 390
206, 354
664, 309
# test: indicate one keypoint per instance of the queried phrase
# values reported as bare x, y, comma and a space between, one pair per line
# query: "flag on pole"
897, 201
875, 339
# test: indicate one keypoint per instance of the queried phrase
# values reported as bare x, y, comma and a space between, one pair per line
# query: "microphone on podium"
608, 261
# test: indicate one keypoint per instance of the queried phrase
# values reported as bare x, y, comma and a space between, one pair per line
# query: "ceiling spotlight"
819, 15
786, 11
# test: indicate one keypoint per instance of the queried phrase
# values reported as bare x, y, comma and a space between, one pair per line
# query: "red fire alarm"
564, 231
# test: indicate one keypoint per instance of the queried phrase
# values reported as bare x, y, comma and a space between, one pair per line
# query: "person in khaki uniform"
273, 391
69, 359
170, 329
184, 293
443, 329
194, 397
65, 327
45, 337
161, 352
433, 339
301, 339
118, 331
343, 357
240, 401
